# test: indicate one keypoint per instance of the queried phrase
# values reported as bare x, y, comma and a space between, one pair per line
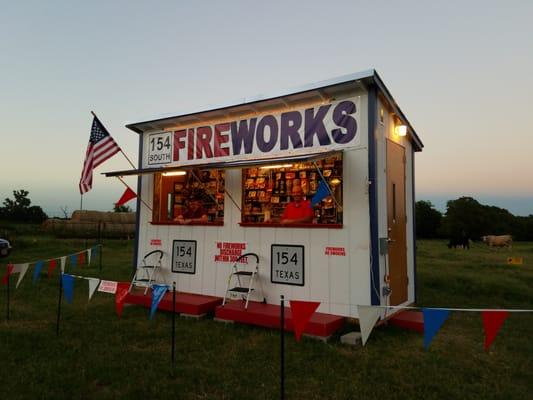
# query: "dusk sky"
461, 71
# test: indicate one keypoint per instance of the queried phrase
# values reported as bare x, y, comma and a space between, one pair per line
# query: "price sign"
159, 148
184, 256
287, 264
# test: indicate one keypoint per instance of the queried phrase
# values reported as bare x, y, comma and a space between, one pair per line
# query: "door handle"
389, 240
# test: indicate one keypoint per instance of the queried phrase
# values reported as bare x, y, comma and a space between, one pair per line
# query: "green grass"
99, 356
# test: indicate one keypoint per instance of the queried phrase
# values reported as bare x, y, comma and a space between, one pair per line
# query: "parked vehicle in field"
5, 248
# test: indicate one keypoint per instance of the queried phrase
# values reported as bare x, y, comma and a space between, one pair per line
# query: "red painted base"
186, 303
412, 320
268, 316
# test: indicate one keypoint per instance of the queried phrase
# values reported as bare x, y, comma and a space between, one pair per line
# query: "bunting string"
457, 309
45, 260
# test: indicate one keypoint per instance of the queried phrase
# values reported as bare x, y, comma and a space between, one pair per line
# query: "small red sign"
155, 242
335, 251
108, 287
230, 252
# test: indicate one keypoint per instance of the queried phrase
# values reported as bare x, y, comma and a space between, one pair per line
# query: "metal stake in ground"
282, 355
100, 245
59, 302
8, 295
173, 352
100, 253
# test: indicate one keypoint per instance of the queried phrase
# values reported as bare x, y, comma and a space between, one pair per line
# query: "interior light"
400, 130
174, 173
335, 181
276, 166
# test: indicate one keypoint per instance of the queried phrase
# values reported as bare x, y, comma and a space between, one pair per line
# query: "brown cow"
498, 241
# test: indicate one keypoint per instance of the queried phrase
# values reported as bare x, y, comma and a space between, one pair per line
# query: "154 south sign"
159, 148
287, 264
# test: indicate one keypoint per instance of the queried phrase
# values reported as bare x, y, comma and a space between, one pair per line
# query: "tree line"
463, 217
19, 209
467, 217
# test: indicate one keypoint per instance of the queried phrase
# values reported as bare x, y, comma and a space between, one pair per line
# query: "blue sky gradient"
460, 70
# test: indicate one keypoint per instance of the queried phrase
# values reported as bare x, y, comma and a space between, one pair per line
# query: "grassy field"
99, 356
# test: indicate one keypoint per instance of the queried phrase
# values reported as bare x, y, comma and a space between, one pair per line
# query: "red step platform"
186, 303
268, 316
412, 320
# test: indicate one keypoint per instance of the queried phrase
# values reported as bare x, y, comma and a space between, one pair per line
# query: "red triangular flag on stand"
492, 322
9, 271
81, 259
301, 314
120, 296
127, 196
51, 267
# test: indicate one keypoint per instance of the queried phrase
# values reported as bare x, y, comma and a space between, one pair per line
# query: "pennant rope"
45, 260
456, 309
22, 268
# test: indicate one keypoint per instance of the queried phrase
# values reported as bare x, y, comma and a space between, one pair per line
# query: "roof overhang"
326, 90
246, 163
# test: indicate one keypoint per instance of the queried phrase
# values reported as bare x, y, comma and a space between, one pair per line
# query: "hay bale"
104, 216
87, 223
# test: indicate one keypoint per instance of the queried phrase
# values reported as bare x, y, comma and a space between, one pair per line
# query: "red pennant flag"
51, 267
120, 296
9, 271
127, 196
492, 322
81, 258
301, 314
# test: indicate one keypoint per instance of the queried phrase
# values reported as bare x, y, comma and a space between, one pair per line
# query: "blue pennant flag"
37, 271
158, 291
433, 320
321, 193
94, 251
68, 287
73, 259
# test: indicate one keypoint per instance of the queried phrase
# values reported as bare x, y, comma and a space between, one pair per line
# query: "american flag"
101, 147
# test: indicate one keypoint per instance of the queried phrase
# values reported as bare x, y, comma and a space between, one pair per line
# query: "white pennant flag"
63, 263
368, 316
21, 269
89, 251
93, 285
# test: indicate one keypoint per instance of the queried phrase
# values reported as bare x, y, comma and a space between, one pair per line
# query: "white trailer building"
346, 136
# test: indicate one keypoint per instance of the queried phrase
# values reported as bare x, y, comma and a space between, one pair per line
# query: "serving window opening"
294, 193
190, 197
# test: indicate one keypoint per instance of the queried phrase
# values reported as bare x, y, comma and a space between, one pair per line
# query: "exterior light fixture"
174, 173
400, 130
276, 166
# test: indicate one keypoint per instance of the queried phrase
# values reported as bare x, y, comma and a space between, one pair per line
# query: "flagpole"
138, 196
282, 358
131, 163
327, 186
